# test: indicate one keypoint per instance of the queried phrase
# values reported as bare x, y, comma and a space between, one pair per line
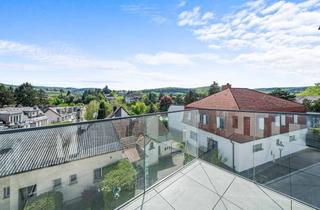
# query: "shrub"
121, 175
47, 201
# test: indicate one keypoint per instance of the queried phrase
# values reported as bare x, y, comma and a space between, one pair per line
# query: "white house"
69, 159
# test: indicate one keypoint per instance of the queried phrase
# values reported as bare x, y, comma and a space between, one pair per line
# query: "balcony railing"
103, 164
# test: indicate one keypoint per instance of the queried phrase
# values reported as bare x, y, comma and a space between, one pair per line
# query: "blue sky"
147, 44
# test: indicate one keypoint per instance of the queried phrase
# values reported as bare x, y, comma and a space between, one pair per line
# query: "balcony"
190, 159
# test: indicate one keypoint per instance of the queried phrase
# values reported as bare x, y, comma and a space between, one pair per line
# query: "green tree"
47, 201
152, 108
178, 99
102, 114
6, 96
139, 108
92, 110
105, 108
150, 98
214, 88
42, 97
311, 91
284, 94
26, 95
312, 106
190, 97
165, 103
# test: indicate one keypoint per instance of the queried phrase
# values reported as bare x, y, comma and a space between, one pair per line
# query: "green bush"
121, 175
47, 201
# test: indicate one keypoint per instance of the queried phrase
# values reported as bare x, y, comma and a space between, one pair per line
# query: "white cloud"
52, 57
194, 18
281, 36
150, 11
182, 3
172, 58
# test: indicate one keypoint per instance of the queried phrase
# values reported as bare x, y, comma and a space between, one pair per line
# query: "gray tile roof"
27, 150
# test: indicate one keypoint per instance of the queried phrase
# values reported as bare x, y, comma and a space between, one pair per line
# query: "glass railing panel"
224, 140
171, 141
291, 156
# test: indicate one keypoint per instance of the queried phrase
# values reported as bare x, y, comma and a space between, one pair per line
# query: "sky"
139, 44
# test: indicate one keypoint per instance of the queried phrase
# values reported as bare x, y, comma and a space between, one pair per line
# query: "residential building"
64, 114
61, 158
23, 117
237, 120
118, 112
132, 97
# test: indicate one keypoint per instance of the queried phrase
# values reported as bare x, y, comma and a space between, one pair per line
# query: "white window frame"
189, 116
295, 119
277, 121
283, 120
261, 123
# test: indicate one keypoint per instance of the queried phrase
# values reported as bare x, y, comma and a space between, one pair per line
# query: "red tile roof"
248, 100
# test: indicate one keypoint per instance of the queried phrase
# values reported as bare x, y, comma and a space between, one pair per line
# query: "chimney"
227, 86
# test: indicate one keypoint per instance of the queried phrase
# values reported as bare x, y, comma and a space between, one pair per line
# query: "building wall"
44, 178
52, 116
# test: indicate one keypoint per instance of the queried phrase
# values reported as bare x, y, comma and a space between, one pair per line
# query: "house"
23, 117
68, 159
132, 97
263, 125
64, 114
118, 112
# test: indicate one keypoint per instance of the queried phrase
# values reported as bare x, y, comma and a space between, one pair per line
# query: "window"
6, 192
257, 147
189, 115
73, 179
235, 121
204, 119
295, 119
57, 183
277, 121
261, 123
292, 138
97, 174
151, 147
193, 135
220, 123
283, 120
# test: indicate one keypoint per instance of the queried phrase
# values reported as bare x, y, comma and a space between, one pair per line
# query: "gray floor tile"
140, 200
248, 196
156, 203
167, 182
186, 194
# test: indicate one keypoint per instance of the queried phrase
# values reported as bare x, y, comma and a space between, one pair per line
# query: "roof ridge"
234, 98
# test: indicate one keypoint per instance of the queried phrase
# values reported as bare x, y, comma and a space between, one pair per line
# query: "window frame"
71, 182
55, 186
95, 178
257, 147
6, 192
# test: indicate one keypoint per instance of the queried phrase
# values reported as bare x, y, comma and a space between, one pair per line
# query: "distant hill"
165, 90
294, 90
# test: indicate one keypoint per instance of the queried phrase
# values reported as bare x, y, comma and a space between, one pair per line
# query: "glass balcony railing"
103, 164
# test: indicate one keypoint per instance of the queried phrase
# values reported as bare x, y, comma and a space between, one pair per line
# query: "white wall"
44, 178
